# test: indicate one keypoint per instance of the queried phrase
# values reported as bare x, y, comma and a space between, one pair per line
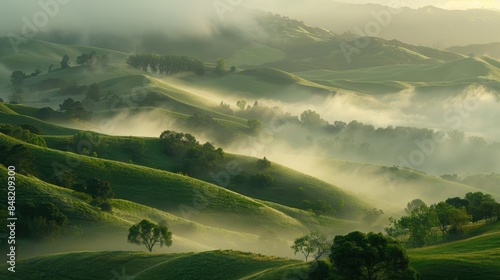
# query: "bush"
106, 206
262, 179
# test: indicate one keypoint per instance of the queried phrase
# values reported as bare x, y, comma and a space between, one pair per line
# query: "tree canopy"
148, 234
369, 257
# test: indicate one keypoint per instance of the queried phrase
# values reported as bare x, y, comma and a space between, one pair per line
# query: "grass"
173, 193
290, 187
473, 258
384, 79
108, 264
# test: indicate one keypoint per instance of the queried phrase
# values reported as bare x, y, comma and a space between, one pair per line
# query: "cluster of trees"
451, 217
19, 156
99, 190
89, 143
74, 110
95, 191
40, 221
318, 207
188, 152
92, 60
17, 77
27, 133
166, 64
355, 256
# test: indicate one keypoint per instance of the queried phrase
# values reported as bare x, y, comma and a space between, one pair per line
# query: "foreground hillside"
472, 259
107, 265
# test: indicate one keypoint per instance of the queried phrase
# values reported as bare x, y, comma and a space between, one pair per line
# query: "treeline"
166, 64
452, 217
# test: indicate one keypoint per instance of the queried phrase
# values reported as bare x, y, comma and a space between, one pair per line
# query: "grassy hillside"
388, 187
104, 230
35, 53
178, 194
19, 115
491, 49
290, 188
103, 265
473, 258
386, 79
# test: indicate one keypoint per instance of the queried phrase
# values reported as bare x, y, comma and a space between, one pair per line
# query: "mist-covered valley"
215, 128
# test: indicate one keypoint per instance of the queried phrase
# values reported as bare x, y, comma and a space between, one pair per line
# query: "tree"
17, 78
420, 223
148, 234
262, 179
36, 72
241, 104
313, 243
475, 200
98, 188
254, 125
82, 59
443, 212
263, 163
370, 256
414, 204
302, 245
372, 215
44, 221
17, 96
93, 92
311, 119
65, 62
18, 156
233, 68
220, 67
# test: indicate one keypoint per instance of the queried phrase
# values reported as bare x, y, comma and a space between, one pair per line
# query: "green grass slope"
47, 128
389, 187
103, 229
35, 53
108, 264
173, 193
491, 49
267, 83
474, 258
385, 79
290, 187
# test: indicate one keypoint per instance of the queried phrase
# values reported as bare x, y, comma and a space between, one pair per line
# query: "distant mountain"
491, 49
427, 26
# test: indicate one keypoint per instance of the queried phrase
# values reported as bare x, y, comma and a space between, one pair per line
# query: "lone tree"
370, 256
65, 62
17, 78
313, 243
220, 67
148, 234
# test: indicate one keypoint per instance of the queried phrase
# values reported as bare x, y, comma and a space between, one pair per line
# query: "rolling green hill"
207, 265
473, 258
290, 188
391, 187
386, 79
491, 49
187, 197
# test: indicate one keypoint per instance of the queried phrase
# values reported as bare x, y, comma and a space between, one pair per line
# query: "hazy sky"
445, 4
128, 13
